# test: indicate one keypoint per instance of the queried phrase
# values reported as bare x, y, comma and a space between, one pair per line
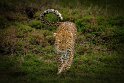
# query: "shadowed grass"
27, 53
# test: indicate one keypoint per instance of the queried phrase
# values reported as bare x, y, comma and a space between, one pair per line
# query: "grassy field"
27, 53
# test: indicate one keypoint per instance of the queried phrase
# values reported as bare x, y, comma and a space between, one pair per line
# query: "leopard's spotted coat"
64, 40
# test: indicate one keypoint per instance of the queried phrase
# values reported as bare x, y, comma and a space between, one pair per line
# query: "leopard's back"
65, 40
65, 36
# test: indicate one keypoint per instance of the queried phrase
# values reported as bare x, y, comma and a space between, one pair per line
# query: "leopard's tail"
42, 17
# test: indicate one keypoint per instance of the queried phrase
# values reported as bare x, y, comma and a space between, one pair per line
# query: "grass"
102, 68
27, 53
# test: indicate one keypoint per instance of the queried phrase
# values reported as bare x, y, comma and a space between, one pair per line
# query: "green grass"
102, 68
27, 53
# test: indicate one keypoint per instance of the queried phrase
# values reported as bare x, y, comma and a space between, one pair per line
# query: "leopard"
65, 37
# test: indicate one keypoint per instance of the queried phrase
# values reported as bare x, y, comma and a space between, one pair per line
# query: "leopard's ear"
54, 34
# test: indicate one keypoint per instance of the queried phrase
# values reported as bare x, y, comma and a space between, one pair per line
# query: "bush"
8, 40
51, 18
3, 22
50, 39
22, 29
48, 50
36, 24
37, 38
